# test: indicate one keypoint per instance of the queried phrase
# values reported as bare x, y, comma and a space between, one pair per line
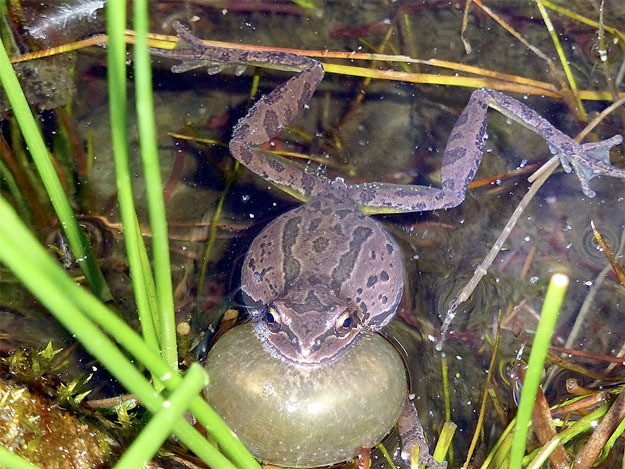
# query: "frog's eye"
272, 319
344, 323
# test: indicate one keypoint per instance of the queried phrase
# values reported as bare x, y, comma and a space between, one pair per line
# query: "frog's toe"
566, 165
588, 192
214, 68
239, 70
187, 65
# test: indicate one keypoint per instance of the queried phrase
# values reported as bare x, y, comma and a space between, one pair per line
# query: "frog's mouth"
287, 346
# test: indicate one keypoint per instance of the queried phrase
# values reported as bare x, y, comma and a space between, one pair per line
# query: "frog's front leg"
270, 113
464, 152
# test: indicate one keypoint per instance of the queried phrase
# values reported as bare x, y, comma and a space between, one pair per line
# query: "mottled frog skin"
338, 271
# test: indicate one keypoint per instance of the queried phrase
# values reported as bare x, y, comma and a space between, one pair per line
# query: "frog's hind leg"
270, 114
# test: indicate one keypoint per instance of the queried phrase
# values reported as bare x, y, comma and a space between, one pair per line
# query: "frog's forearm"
588, 159
272, 112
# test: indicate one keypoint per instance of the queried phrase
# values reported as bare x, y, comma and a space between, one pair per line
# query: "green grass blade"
162, 423
564, 61
584, 425
154, 186
13, 461
618, 433
444, 441
18, 198
70, 303
140, 272
41, 157
542, 340
74, 306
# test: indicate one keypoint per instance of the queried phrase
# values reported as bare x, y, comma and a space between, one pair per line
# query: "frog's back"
327, 240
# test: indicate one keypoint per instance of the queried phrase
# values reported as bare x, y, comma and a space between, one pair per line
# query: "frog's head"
309, 324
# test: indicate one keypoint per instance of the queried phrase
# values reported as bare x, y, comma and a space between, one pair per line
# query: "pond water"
393, 132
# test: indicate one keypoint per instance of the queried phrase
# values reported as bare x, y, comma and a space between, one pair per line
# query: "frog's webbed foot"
413, 438
590, 160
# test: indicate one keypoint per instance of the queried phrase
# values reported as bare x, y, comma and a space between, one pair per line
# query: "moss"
39, 430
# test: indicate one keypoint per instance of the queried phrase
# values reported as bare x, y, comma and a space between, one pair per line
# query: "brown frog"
320, 275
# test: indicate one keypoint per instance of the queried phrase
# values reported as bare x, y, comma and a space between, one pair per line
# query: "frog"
320, 275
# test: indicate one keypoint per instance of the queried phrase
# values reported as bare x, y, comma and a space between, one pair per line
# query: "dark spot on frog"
372, 254
340, 214
271, 122
276, 165
292, 268
320, 244
455, 155
313, 225
366, 195
384, 276
455, 136
401, 194
471, 174
479, 141
314, 280
359, 236
308, 183
390, 248
334, 197
307, 92
338, 229
372, 280
314, 205
271, 99
260, 276
347, 261
290, 234
241, 148
359, 291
